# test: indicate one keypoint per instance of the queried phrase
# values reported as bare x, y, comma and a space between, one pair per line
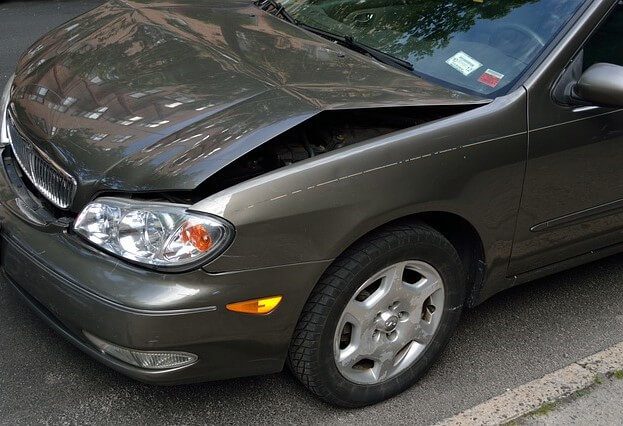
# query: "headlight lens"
156, 234
4, 103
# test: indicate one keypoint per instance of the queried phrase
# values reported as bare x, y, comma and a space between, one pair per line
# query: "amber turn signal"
198, 236
262, 306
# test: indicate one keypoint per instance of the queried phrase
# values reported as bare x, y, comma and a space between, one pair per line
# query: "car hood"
130, 97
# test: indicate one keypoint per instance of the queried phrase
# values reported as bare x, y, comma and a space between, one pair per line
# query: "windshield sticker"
491, 78
463, 63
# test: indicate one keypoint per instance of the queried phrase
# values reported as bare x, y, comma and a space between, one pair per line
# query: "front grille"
54, 184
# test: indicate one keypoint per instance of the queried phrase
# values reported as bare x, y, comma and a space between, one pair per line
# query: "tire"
318, 346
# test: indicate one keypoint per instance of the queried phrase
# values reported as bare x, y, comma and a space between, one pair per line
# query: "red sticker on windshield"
491, 78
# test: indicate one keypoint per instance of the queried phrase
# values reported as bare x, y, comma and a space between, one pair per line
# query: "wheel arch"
467, 242
461, 233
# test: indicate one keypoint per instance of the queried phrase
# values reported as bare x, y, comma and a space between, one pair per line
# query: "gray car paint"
572, 165
596, 86
470, 166
428, 170
215, 80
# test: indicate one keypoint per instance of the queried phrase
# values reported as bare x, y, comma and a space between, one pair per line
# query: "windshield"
478, 46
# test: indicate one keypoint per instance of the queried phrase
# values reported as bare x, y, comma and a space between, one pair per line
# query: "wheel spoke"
417, 329
395, 274
363, 346
391, 278
406, 334
382, 354
427, 286
361, 320
348, 356
358, 314
424, 333
383, 367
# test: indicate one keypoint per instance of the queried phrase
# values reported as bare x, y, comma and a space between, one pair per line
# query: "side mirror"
601, 85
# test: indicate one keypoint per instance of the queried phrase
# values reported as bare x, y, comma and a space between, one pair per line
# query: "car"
200, 190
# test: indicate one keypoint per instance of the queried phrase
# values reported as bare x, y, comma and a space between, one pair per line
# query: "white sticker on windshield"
463, 63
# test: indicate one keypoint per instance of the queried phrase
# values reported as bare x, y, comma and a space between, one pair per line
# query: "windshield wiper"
379, 55
351, 43
276, 8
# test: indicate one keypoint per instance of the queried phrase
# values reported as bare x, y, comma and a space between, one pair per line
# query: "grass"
544, 409
548, 407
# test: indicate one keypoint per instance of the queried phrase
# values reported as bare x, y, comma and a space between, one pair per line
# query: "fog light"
152, 360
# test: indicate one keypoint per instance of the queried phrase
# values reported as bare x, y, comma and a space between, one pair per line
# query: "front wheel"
379, 316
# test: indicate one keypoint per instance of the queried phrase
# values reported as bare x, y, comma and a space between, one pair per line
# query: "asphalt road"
517, 336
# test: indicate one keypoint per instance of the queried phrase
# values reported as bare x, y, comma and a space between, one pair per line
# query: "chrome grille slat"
54, 184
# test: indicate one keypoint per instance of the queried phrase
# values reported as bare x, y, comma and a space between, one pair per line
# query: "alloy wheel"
389, 322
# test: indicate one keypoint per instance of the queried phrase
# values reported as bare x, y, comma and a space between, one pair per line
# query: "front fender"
470, 164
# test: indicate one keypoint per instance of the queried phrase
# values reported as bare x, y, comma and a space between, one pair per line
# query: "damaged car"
199, 190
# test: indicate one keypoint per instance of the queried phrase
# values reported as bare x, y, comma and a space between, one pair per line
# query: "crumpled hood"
143, 98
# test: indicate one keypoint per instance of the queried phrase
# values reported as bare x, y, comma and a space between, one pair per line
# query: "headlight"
156, 234
4, 103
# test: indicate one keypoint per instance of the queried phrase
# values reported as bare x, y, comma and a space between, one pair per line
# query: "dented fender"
315, 209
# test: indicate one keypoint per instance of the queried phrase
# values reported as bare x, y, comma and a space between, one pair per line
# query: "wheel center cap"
386, 322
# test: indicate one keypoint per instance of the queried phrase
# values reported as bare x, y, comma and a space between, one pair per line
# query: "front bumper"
76, 288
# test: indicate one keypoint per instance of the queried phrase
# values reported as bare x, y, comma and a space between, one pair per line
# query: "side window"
606, 45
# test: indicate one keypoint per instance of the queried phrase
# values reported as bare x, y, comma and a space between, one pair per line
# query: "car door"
572, 199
